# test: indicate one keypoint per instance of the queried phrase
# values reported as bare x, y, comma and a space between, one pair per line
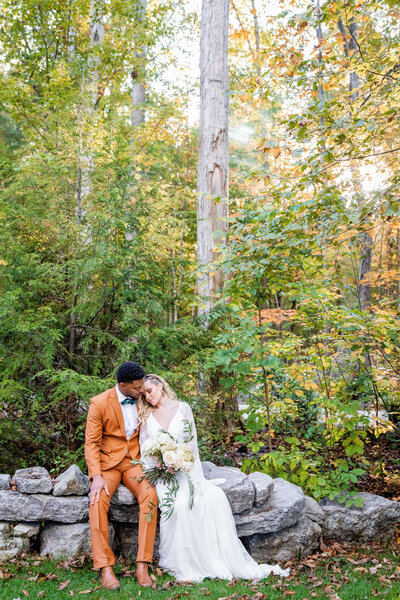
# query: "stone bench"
274, 518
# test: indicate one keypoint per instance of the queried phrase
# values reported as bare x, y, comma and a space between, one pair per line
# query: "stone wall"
274, 518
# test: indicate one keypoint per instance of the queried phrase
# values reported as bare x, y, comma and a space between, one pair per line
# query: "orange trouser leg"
147, 499
103, 556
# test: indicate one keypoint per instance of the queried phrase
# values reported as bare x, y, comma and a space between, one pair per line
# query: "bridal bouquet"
167, 457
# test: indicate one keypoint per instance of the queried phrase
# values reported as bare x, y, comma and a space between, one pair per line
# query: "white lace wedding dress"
202, 541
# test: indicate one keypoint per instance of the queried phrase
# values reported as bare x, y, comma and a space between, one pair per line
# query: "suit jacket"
105, 439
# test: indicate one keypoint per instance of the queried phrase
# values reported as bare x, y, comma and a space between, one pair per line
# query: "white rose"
163, 438
168, 445
169, 458
188, 455
186, 466
149, 446
178, 464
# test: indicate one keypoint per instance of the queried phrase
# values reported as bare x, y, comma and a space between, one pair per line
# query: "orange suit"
109, 453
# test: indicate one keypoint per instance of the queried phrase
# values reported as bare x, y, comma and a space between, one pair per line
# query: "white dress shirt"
129, 412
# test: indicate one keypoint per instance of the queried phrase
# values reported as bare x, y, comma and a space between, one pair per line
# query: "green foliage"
300, 348
97, 264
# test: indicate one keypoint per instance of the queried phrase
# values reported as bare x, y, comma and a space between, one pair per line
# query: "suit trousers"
146, 496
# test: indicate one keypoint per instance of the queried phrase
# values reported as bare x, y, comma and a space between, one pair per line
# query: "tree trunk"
85, 163
92, 81
257, 36
138, 97
212, 171
138, 93
351, 47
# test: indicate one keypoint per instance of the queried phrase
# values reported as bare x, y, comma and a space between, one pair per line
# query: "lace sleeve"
144, 438
196, 472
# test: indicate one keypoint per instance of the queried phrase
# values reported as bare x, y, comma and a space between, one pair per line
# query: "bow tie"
129, 400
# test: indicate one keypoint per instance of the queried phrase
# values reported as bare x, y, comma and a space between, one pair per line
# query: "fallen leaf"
362, 570
25, 593
205, 591
322, 546
85, 592
168, 584
63, 585
310, 563
373, 570
359, 562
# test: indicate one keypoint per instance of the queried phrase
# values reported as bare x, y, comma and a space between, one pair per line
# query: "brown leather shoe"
142, 575
108, 579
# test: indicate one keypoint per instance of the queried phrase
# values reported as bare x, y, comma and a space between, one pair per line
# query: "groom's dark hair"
130, 371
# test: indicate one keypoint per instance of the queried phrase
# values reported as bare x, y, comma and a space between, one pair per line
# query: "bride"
201, 541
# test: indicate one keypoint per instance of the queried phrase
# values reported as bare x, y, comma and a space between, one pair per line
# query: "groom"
112, 441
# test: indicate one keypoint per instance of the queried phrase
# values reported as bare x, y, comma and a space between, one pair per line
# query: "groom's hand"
97, 485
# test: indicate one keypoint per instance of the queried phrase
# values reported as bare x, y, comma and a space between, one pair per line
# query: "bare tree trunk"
351, 46
138, 96
138, 93
85, 163
212, 171
321, 95
92, 81
257, 36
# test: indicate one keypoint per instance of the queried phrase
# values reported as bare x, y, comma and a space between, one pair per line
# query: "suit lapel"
118, 411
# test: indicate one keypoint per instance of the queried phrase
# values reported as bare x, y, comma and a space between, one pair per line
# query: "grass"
338, 573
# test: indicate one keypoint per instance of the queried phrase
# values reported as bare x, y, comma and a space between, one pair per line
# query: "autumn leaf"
63, 585
168, 584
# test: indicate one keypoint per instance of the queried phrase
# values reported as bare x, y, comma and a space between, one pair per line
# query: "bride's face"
153, 393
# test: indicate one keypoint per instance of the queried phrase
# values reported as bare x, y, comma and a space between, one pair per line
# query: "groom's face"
132, 388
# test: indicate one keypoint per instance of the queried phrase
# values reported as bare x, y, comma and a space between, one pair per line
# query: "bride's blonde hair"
144, 407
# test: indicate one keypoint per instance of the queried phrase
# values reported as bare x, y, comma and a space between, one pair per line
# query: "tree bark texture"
92, 80
351, 47
212, 171
138, 93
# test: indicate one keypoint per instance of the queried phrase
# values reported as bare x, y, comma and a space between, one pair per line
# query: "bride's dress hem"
273, 570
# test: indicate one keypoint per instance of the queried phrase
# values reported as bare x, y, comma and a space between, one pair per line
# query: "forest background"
98, 157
